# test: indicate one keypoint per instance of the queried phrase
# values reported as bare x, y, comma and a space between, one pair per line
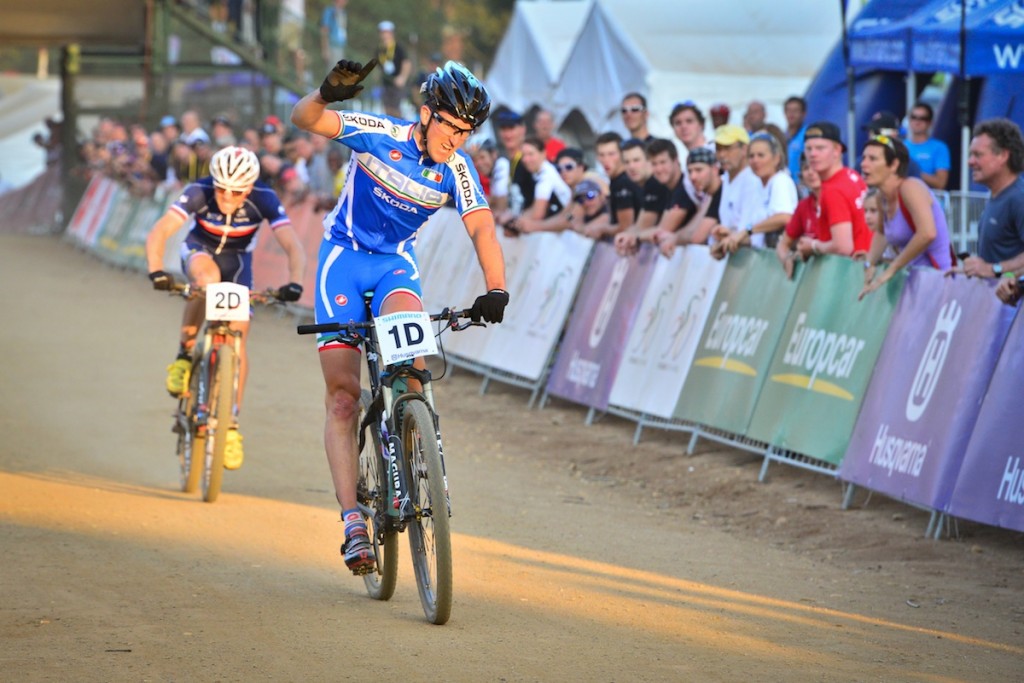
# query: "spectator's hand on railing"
626, 243
665, 241
976, 267
1009, 290
805, 247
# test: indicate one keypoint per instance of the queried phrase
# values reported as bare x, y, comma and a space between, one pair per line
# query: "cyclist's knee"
342, 404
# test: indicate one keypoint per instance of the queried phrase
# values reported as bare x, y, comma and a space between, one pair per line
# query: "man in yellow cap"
740, 187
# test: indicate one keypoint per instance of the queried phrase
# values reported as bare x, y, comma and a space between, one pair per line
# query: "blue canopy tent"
967, 39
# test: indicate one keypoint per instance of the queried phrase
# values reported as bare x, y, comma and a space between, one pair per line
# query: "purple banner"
990, 486
599, 325
925, 392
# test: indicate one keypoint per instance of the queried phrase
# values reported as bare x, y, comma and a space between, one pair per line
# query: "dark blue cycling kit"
228, 239
390, 191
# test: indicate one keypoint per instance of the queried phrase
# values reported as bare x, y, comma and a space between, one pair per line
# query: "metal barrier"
963, 210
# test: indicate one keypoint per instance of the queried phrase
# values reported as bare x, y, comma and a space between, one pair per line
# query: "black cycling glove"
290, 292
161, 280
342, 83
489, 306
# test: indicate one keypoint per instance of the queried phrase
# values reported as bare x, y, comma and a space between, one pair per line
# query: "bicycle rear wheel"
222, 384
191, 444
372, 491
429, 533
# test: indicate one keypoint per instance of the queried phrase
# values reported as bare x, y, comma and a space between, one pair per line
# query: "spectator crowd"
758, 185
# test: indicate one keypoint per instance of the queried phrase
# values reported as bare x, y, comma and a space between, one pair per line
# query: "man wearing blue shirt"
931, 154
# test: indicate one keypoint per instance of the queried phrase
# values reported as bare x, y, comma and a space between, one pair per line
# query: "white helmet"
234, 168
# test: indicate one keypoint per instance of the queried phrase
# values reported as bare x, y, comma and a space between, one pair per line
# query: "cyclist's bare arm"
156, 241
311, 113
480, 226
289, 241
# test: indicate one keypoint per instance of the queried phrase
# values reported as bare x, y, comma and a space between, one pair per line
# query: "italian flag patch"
432, 176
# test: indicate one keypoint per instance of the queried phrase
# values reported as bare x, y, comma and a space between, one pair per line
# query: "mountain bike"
207, 407
402, 483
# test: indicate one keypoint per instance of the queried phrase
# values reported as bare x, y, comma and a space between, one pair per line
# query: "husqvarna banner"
822, 365
602, 318
990, 485
668, 326
740, 335
927, 387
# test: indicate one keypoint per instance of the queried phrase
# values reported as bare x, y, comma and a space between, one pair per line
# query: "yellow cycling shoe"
233, 454
177, 376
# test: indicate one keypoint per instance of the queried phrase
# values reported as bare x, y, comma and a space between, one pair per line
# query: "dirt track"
577, 557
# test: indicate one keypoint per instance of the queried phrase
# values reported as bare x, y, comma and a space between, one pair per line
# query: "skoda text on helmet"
234, 168
457, 91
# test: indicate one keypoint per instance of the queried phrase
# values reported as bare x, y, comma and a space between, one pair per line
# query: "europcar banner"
739, 338
927, 388
595, 338
668, 325
990, 485
822, 365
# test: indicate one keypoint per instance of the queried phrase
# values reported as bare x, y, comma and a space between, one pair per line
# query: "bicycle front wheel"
372, 491
191, 444
429, 533
222, 384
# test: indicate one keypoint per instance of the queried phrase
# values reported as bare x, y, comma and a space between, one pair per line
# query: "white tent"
729, 51
533, 51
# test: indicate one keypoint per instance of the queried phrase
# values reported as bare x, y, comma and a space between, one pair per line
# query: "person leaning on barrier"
624, 195
803, 222
996, 160
913, 221
703, 171
842, 229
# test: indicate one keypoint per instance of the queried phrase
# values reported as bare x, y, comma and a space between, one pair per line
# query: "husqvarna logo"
930, 368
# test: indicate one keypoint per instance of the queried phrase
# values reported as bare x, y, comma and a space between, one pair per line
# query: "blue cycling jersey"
212, 228
392, 188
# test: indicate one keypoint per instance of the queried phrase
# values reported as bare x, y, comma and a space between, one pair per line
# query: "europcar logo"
932, 361
819, 352
733, 335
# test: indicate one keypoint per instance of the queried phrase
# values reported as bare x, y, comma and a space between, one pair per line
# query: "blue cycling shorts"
344, 275
235, 266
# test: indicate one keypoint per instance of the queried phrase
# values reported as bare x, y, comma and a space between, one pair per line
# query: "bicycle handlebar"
189, 291
449, 315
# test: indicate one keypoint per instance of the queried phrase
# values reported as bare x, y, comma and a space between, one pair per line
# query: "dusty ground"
578, 556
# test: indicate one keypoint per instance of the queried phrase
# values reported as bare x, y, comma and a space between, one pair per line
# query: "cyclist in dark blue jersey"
401, 173
224, 211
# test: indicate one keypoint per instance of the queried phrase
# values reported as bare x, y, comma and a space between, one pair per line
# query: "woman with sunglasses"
913, 222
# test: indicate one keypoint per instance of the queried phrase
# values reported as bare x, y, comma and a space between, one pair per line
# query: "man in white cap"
395, 68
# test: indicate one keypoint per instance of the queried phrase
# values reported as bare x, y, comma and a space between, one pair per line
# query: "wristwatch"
997, 268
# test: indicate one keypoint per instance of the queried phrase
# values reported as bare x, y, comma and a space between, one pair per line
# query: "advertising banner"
990, 485
602, 318
543, 273
822, 365
668, 326
925, 393
739, 339
92, 210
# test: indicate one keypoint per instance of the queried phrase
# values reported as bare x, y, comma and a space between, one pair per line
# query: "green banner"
821, 368
738, 342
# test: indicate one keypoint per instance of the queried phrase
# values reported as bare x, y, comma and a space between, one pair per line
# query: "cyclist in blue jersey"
224, 211
400, 174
